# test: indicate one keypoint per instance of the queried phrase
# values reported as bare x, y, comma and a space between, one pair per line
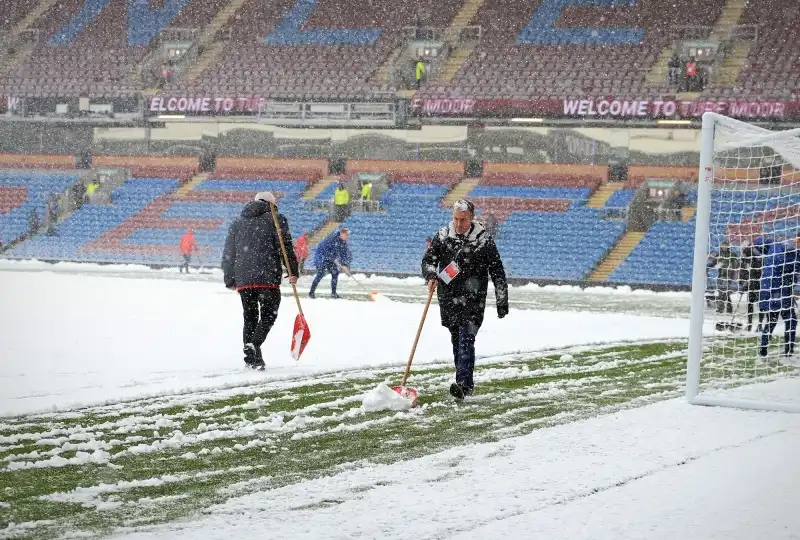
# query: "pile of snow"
382, 398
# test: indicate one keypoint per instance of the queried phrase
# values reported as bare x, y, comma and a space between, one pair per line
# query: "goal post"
748, 197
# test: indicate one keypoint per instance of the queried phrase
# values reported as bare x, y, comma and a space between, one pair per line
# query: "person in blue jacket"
332, 252
778, 276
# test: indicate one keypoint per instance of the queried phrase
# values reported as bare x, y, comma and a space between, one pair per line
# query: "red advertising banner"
204, 105
605, 108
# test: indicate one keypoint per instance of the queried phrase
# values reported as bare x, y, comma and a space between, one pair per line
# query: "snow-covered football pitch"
126, 412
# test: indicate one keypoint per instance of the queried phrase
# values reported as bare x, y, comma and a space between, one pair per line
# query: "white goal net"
746, 276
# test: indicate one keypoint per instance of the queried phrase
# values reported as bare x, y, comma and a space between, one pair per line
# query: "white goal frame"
751, 136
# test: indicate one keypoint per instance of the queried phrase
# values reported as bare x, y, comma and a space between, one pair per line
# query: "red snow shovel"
301, 333
407, 391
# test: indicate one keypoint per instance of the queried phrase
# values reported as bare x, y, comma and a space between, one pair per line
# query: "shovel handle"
419, 332
285, 256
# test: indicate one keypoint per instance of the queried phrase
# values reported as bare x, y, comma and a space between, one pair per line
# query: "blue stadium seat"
39, 185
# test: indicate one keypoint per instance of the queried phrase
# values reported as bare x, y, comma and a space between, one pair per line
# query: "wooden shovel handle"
419, 332
285, 256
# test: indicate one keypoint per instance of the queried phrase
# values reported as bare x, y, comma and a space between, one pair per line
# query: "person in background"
301, 251
187, 246
332, 252
778, 276
341, 202
252, 264
674, 66
33, 222
750, 279
419, 72
490, 222
461, 259
366, 191
726, 264
52, 214
90, 189
428, 242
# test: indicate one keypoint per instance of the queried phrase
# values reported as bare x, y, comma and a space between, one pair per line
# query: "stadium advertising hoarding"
604, 108
204, 105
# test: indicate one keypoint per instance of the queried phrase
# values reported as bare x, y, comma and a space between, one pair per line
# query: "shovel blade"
408, 393
300, 336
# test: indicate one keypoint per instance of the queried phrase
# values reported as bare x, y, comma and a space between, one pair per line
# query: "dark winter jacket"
463, 300
332, 248
750, 269
777, 277
252, 256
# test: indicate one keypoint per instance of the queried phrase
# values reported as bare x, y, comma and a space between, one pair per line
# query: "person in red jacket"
187, 246
301, 251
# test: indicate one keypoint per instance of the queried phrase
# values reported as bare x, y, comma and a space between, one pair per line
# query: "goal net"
746, 275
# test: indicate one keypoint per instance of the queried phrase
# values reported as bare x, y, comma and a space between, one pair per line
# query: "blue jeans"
463, 339
324, 268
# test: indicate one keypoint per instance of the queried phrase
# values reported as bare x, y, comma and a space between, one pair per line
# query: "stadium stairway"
190, 185
317, 236
731, 14
617, 255
320, 186
603, 193
732, 65
32, 16
463, 51
212, 49
687, 213
460, 191
382, 74
657, 75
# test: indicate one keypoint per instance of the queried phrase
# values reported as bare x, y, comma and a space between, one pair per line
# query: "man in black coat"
458, 263
252, 262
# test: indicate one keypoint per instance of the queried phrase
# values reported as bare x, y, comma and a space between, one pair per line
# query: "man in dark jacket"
750, 279
252, 262
330, 254
459, 262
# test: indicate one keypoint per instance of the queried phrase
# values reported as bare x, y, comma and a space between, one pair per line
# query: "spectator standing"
727, 266
188, 245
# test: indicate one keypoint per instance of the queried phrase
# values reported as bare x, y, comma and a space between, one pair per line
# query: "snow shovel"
731, 326
373, 295
301, 333
403, 390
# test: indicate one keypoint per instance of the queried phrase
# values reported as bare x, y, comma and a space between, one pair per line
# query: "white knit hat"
265, 196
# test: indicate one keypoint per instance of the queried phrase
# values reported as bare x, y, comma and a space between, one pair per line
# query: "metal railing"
454, 34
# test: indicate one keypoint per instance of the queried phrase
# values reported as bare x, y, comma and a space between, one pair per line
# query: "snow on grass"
665, 471
116, 339
314, 429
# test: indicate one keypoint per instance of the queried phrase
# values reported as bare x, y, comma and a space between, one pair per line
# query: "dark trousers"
790, 329
260, 309
186, 260
328, 266
462, 338
752, 300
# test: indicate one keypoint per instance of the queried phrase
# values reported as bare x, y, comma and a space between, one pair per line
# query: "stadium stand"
395, 241
620, 198
333, 50
88, 233
772, 66
95, 64
503, 66
664, 256
21, 193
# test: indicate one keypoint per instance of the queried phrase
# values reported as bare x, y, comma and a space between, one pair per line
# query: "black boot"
253, 358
